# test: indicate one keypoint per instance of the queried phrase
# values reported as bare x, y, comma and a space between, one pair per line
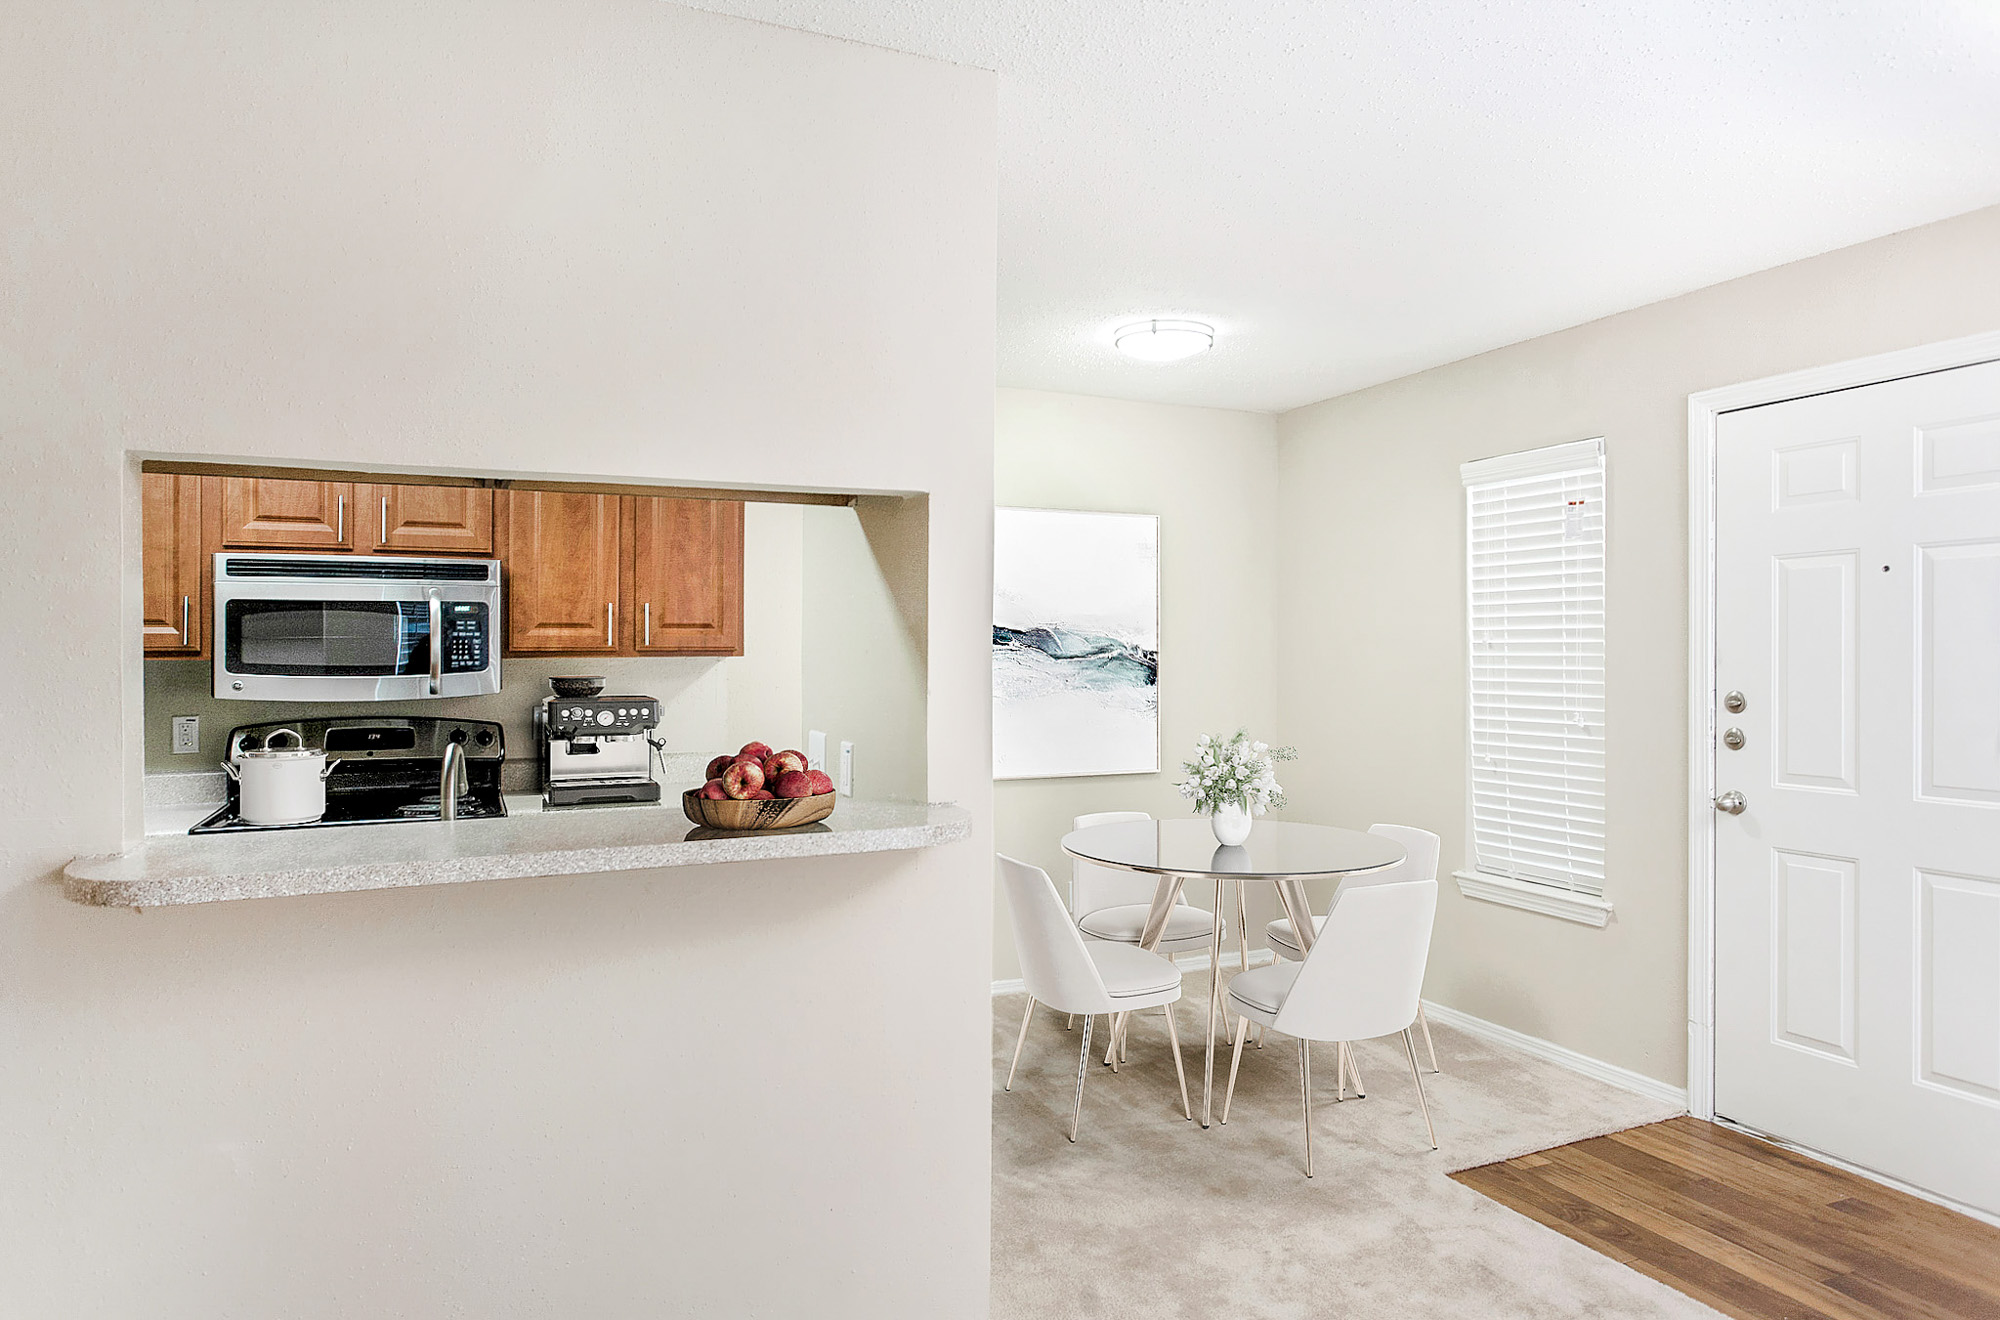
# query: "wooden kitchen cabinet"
173, 565
562, 556
426, 520
268, 513
686, 577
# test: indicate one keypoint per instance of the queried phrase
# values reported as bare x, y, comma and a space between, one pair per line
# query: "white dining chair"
1109, 904
1421, 864
1073, 975
1363, 979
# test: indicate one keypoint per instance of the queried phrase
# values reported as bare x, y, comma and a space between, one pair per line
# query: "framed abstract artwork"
1076, 643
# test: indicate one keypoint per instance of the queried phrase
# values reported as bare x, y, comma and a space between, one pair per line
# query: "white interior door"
1857, 895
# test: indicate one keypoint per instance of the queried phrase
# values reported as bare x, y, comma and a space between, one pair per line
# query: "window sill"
1549, 900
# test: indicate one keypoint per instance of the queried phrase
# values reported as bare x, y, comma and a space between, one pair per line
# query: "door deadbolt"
1733, 739
1734, 703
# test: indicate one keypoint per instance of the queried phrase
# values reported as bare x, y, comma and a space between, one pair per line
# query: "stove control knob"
605, 717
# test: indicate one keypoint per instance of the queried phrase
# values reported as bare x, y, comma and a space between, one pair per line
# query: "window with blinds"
1535, 609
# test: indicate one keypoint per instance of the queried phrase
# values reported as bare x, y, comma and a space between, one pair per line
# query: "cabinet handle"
340, 518
610, 626
184, 620
385, 520
649, 623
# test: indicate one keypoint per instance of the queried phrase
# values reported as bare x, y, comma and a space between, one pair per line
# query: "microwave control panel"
465, 636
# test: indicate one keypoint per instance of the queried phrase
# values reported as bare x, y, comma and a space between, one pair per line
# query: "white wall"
1371, 644
1211, 476
865, 618
608, 237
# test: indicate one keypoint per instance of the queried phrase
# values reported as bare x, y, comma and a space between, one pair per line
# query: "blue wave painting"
1089, 662
1076, 661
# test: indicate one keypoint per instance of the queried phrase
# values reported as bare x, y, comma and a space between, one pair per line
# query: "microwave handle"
437, 642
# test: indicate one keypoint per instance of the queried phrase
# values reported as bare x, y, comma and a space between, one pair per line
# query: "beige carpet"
1149, 1215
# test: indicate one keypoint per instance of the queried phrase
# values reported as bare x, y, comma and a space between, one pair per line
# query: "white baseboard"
1187, 962
1624, 1078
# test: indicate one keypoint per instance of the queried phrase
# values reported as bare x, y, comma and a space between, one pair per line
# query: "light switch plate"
846, 767
816, 749
187, 735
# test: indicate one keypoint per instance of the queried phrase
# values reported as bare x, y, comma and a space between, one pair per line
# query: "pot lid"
278, 754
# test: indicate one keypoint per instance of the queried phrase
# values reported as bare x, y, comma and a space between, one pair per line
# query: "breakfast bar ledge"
167, 870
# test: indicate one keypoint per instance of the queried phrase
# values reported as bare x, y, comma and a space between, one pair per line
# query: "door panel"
1958, 635
1960, 455
428, 520
561, 553
1857, 996
687, 576
1813, 952
276, 514
1958, 980
1815, 692
173, 567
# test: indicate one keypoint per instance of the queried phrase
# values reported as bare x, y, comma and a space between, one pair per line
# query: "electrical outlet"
816, 749
847, 767
187, 735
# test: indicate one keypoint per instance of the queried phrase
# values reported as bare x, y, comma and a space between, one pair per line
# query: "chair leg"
1019, 1041
1306, 1098
1069, 1022
1429, 1048
1418, 1078
1180, 1073
1340, 1083
1235, 1062
1360, 1087
1082, 1071
1111, 1041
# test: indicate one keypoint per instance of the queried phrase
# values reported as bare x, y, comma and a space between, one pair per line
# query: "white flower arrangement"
1234, 770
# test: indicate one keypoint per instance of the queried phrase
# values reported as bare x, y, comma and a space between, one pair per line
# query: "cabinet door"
426, 520
172, 564
561, 554
273, 514
687, 576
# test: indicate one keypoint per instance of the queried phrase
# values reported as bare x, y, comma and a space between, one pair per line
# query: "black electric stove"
389, 769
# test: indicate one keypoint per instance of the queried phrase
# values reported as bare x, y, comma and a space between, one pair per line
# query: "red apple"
795, 784
742, 778
714, 791
820, 782
759, 795
782, 763
718, 765
756, 749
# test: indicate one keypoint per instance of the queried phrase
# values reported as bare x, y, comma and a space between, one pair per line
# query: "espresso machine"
596, 750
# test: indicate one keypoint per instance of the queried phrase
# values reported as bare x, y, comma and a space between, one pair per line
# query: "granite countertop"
176, 868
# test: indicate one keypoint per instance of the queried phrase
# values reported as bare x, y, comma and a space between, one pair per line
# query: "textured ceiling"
1354, 191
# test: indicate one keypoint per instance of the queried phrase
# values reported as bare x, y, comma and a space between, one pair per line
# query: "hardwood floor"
1754, 1230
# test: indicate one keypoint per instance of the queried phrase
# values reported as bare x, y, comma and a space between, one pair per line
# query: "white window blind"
1535, 608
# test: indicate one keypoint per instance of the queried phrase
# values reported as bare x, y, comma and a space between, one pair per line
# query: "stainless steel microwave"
355, 628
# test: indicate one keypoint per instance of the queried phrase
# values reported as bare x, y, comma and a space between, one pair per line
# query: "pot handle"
230, 766
272, 745
329, 767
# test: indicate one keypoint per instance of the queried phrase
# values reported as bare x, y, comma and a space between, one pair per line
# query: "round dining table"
1283, 853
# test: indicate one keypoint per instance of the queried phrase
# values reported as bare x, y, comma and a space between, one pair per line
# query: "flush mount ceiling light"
1162, 340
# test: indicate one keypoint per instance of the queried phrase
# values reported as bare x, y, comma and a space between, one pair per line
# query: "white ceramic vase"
1231, 823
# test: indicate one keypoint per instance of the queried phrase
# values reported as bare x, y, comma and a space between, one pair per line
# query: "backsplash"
695, 706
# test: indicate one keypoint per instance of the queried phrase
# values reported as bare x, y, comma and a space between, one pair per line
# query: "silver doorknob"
1731, 802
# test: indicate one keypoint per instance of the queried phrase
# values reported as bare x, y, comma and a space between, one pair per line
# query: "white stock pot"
283, 784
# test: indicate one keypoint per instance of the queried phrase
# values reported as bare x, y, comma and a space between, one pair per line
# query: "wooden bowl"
776, 814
